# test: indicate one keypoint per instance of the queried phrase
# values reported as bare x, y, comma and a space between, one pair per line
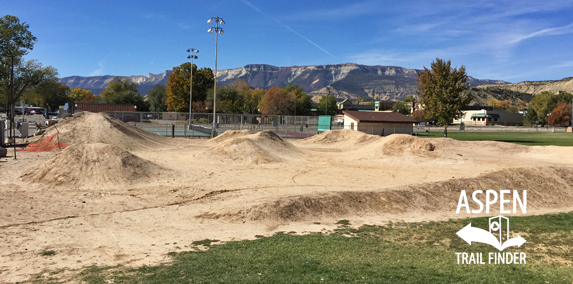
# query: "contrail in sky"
287, 27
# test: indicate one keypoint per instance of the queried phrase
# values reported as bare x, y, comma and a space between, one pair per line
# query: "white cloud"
544, 32
565, 64
99, 71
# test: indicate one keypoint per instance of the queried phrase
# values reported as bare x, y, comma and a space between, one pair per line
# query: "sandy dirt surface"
119, 195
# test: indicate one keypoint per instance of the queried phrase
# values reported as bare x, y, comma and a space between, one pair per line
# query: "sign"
498, 234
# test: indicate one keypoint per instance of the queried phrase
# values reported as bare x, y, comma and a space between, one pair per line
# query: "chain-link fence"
177, 124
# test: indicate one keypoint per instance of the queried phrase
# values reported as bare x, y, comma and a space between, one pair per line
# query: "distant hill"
535, 87
96, 84
347, 80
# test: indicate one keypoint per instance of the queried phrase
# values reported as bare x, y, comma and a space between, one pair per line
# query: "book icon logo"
498, 230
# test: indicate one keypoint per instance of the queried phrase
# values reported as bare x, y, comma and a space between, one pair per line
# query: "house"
345, 104
378, 122
414, 106
488, 116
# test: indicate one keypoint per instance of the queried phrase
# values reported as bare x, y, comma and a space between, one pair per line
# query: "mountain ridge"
346, 80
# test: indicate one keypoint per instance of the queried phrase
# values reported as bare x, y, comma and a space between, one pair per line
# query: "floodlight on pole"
218, 30
191, 56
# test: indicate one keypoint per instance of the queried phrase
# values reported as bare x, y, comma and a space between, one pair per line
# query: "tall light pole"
192, 56
217, 31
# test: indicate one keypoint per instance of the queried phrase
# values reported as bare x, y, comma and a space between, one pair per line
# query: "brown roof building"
104, 107
378, 122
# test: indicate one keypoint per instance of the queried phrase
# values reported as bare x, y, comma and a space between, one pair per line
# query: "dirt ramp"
230, 134
547, 188
94, 166
343, 136
262, 147
87, 127
400, 143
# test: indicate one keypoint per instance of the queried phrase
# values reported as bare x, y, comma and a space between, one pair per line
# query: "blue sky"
507, 40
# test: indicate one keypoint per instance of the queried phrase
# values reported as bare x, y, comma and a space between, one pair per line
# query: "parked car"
32, 112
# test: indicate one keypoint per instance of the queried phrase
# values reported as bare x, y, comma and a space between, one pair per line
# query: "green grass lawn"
396, 253
523, 138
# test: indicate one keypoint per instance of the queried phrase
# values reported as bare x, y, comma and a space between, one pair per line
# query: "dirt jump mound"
87, 127
94, 165
400, 143
343, 136
262, 147
229, 134
547, 188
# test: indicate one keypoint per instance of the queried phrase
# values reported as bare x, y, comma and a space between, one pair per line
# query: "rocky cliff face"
98, 83
341, 80
535, 87
347, 80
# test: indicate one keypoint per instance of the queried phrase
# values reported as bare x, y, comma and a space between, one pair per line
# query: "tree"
561, 114
492, 102
15, 38
81, 95
521, 104
410, 99
124, 91
252, 99
442, 90
49, 94
563, 97
512, 109
276, 101
419, 115
302, 101
401, 107
178, 86
15, 41
530, 116
156, 99
27, 75
327, 105
543, 103
502, 105
228, 100
303, 104
116, 87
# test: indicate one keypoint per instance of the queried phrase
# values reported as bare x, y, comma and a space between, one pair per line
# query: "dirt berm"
547, 188
94, 166
259, 148
88, 127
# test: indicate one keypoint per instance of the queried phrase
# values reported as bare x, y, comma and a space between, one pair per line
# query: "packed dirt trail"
119, 195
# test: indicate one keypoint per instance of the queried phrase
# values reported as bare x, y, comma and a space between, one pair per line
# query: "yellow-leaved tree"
178, 86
